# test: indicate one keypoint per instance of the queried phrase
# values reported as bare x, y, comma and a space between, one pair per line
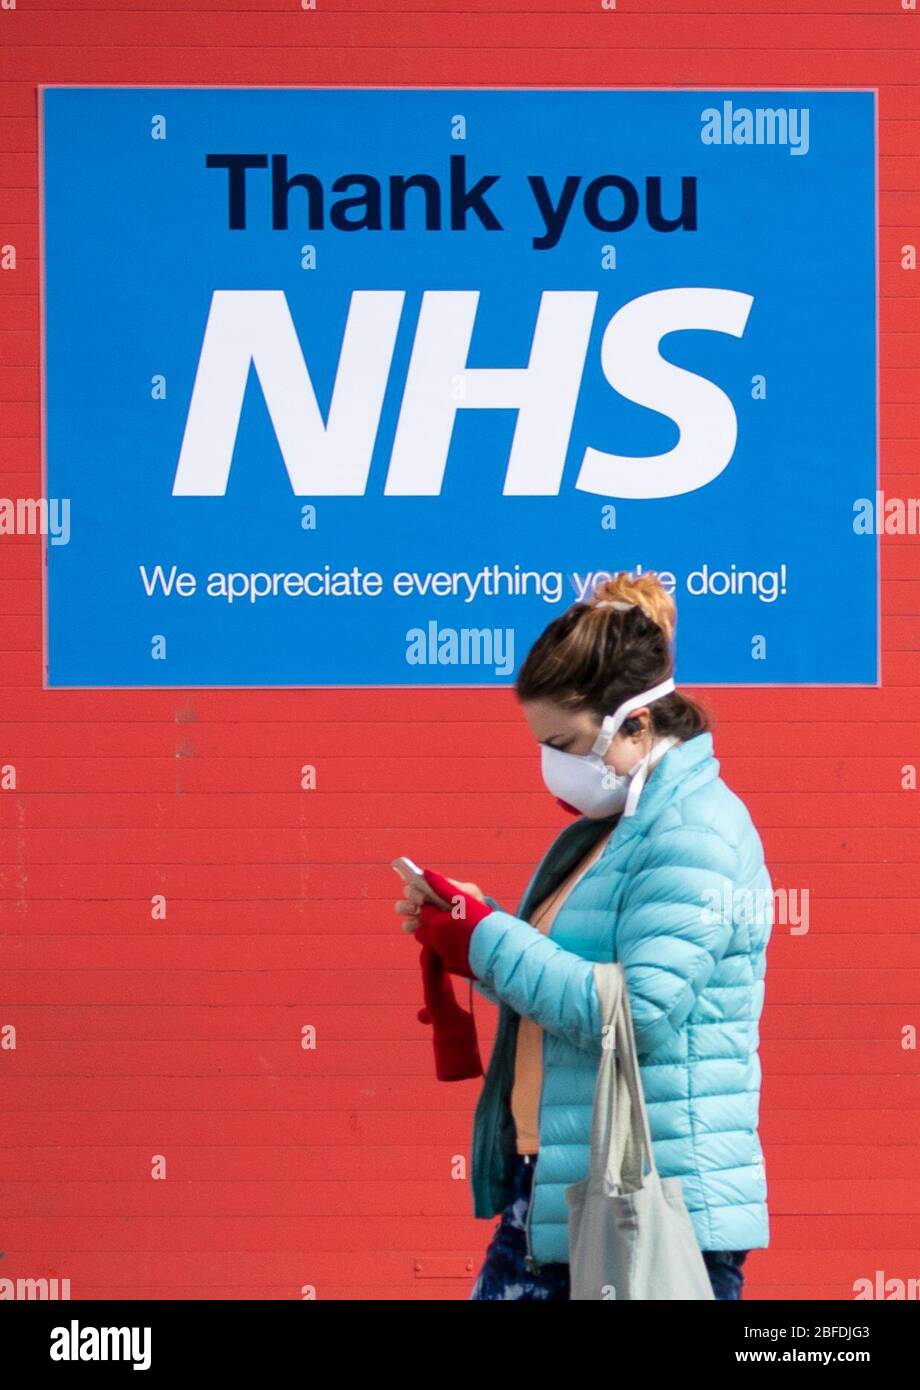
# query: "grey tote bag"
630, 1234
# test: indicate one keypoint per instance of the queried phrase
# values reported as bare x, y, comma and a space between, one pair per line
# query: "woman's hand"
409, 906
448, 930
470, 889
444, 945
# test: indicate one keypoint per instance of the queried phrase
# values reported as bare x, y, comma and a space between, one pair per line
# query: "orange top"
528, 1058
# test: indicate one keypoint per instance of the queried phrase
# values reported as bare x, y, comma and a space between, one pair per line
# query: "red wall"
181, 1037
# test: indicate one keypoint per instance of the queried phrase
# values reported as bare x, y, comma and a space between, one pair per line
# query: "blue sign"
364, 387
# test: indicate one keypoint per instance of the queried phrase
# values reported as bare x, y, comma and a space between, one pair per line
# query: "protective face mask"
586, 783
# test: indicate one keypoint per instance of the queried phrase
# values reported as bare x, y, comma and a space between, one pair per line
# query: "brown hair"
594, 656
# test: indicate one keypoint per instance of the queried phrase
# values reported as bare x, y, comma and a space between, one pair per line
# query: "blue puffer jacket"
681, 896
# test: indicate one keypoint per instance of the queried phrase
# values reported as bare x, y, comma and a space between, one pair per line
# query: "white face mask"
585, 781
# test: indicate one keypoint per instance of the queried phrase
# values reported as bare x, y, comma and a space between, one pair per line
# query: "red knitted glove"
448, 933
456, 1047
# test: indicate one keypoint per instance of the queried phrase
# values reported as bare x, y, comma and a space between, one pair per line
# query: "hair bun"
646, 591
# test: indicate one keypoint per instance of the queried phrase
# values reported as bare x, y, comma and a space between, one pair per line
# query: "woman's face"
574, 731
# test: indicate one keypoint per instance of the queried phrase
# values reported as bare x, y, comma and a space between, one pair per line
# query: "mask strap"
652, 757
613, 721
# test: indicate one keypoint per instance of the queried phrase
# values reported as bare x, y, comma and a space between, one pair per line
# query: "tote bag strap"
610, 1121
620, 1130
640, 1138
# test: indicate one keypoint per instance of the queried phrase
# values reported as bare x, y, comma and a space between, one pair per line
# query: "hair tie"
617, 603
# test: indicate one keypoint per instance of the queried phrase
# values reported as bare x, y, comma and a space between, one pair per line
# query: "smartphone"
410, 872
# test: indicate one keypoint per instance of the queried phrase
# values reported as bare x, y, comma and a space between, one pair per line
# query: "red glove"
456, 1047
448, 933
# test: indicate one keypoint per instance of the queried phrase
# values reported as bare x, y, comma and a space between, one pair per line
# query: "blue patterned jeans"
504, 1274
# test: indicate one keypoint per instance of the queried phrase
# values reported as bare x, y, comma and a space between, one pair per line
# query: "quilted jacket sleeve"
674, 926
538, 978
479, 984
486, 992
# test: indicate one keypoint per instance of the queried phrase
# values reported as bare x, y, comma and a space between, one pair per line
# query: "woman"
664, 872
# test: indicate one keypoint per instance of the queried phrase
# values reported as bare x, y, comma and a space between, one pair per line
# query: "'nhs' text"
332, 457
